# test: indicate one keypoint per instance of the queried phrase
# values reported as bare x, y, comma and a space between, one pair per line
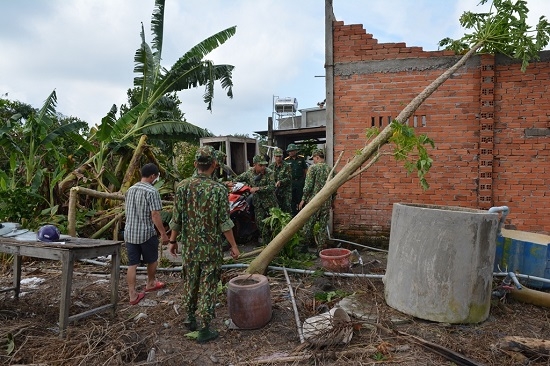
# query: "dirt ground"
151, 333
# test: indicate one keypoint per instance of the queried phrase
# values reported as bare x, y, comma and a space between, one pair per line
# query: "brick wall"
490, 123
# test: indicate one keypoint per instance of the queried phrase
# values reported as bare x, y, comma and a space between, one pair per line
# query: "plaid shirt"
141, 199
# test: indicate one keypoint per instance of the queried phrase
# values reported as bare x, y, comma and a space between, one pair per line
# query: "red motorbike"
241, 212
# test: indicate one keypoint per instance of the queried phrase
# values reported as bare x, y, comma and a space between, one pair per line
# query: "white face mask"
156, 179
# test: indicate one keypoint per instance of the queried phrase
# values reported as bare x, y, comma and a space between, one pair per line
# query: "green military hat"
259, 159
292, 147
204, 155
278, 152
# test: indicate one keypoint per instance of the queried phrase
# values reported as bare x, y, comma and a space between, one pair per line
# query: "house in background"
286, 126
239, 150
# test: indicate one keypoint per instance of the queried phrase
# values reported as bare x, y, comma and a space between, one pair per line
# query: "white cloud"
85, 49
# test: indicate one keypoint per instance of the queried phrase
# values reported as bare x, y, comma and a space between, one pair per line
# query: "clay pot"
335, 259
249, 301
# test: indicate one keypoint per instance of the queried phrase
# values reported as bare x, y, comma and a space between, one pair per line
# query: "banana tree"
116, 138
29, 141
503, 29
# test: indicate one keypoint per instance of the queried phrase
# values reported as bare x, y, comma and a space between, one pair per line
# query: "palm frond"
157, 28
112, 179
174, 128
47, 111
6, 141
205, 73
63, 130
106, 128
84, 143
145, 68
208, 45
126, 124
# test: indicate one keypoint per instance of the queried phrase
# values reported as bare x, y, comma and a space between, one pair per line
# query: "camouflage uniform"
200, 216
263, 199
315, 180
283, 174
297, 166
220, 174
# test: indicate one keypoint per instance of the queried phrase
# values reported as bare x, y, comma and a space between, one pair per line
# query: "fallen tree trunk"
260, 264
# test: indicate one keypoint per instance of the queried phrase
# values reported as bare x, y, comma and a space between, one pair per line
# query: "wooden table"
73, 249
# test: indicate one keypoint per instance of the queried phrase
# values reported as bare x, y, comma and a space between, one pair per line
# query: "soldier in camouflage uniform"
298, 169
260, 179
222, 172
315, 180
200, 217
283, 181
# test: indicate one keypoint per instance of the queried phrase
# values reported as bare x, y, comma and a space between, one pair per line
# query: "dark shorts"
148, 251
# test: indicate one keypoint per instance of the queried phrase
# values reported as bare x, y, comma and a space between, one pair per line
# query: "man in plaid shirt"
143, 206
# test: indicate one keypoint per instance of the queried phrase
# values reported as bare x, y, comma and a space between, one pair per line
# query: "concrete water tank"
440, 262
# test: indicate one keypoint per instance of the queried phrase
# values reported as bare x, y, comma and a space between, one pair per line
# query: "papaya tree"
503, 29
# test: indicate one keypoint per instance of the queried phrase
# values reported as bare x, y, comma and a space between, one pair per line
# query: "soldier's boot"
206, 334
191, 322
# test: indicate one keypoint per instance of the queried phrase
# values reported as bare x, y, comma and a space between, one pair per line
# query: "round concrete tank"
440, 262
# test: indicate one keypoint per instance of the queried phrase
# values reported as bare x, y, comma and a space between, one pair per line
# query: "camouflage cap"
204, 155
318, 152
292, 147
278, 152
218, 155
259, 159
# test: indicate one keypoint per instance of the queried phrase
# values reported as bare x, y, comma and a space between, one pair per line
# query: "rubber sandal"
139, 297
158, 286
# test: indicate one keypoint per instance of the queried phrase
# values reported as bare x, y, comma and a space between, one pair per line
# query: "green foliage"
406, 141
307, 147
34, 144
503, 29
152, 110
331, 296
10, 344
378, 356
164, 262
262, 142
290, 255
184, 158
19, 205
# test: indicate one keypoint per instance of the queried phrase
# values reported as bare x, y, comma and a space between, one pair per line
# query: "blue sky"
84, 49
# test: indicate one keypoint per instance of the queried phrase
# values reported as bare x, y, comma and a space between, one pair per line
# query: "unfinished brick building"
490, 123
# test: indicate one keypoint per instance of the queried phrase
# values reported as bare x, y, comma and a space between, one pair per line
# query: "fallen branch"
446, 353
533, 346
245, 255
296, 315
333, 355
